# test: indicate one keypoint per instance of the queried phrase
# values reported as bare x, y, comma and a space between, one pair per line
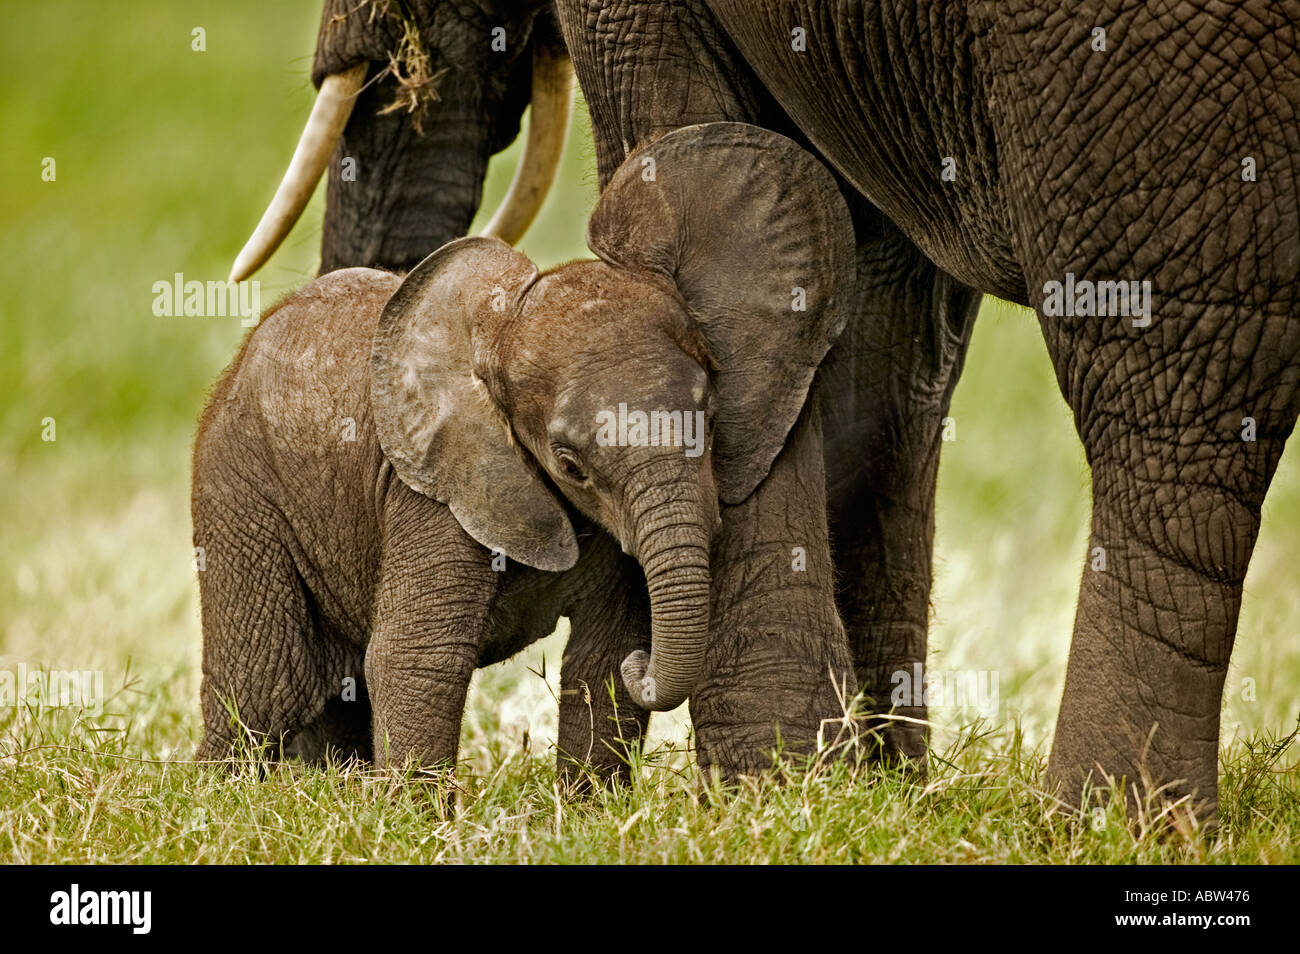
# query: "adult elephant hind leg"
1182, 454
1162, 254
261, 679
885, 389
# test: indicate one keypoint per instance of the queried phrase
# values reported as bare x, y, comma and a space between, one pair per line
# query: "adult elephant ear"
437, 426
753, 231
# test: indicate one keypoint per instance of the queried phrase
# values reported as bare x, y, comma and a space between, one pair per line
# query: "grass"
79, 794
165, 157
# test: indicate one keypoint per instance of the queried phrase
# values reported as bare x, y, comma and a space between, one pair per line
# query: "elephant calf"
355, 511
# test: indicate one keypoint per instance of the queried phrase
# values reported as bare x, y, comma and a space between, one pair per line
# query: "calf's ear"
436, 424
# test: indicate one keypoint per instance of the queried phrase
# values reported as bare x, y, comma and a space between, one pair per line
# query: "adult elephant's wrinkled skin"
1017, 145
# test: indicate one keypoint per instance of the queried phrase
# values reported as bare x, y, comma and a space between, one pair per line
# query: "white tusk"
324, 126
548, 127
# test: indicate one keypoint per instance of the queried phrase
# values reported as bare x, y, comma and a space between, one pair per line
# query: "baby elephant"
383, 446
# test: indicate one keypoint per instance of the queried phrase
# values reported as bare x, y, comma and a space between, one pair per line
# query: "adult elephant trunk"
672, 533
401, 185
397, 190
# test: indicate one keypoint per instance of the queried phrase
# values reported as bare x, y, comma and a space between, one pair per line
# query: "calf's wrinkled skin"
329, 586
379, 439
440, 97
1164, 153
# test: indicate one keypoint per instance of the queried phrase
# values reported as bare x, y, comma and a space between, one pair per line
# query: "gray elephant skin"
380, 442
421, 139
1099, 142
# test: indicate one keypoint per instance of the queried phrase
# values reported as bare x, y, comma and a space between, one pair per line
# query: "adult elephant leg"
886, 389
776, 642
777, 661
1157, 207
1183, 434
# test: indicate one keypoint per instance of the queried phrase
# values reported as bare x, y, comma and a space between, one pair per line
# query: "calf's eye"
569, 465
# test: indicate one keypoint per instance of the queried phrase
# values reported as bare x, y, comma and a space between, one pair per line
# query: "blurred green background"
165, 160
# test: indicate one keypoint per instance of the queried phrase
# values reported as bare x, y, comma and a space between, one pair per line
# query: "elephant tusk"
552, 108
324, 127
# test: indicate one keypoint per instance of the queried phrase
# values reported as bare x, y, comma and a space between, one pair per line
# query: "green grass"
165, 158
77, 794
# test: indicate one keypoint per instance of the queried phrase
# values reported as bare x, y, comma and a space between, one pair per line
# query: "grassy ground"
164, 159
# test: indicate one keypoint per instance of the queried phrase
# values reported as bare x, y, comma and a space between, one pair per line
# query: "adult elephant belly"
892, 105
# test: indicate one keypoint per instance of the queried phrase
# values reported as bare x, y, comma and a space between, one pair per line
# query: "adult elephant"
414, 99
1035, 153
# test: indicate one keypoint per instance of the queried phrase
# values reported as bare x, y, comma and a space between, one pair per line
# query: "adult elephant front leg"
886, 388
778, 663
776, 636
